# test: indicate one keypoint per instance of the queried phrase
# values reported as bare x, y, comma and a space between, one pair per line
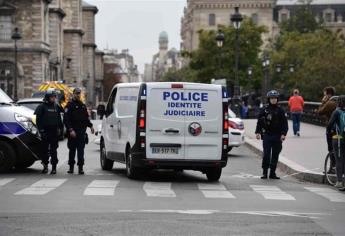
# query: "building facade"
208, 14
58, 43
163, 61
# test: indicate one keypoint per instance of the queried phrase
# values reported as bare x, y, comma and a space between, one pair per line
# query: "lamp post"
220, 38
15, 36
236, 19
250, 71
266, 67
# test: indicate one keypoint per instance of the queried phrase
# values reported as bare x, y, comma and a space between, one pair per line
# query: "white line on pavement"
42, 187
330, 194
101, 188
272, 192
153, 189
5, 181
214, 191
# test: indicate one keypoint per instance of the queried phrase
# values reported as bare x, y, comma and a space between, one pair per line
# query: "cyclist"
338, 120
326, 109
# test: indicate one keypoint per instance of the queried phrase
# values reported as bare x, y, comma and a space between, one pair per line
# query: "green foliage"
210, 62
319, 59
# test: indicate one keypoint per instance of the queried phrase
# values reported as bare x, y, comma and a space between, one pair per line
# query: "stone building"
330, 12
164, 60
58, 43
99, 75
32, 18
208, 14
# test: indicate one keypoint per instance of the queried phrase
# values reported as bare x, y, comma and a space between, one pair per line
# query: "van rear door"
184, 121
164, 133
203, 130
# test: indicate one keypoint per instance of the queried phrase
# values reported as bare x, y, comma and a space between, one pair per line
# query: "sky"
136, 25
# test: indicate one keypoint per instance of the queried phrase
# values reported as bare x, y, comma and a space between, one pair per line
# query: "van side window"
127, 101
110, 105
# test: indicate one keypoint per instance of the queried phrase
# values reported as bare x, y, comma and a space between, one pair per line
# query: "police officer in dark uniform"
272, 128
77, 120
49, 123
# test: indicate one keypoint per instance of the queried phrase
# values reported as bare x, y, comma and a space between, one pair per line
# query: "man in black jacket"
49, 122
76, 120
272, 127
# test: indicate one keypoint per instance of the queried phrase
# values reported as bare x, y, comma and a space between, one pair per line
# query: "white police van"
166, 126
19, 138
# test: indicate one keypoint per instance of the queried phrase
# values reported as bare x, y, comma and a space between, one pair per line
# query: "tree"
319, 59
209, 62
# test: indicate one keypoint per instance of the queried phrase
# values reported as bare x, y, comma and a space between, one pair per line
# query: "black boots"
264, 175
71, 169
273, 175
53, 172
81, 171
45, 169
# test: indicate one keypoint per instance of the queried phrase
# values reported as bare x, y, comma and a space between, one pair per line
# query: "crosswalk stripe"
215, 191
153, 189
330, 194
5, 181
42, 187
101, 188
272, 192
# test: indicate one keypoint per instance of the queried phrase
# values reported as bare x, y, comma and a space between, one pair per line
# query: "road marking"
272, 192
42, 187
154, 189
330, 194
214, 191
5, 181
101, 188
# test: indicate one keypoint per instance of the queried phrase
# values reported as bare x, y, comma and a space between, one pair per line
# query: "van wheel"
25, 164
7, 157
131, 171
106, 164
214, 174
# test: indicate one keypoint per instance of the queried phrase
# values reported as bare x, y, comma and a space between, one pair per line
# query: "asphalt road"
166, 202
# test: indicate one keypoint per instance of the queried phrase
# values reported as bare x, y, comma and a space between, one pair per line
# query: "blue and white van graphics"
19, 138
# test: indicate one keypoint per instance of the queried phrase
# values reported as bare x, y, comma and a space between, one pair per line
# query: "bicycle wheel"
330, 177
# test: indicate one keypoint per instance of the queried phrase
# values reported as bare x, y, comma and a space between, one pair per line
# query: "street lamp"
278, 68
236, 19
292, 68
15, 36
266, 67
250, 71
220, 38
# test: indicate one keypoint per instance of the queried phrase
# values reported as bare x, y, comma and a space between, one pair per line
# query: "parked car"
236, 131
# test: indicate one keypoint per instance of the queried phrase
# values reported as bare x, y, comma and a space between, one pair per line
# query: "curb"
287, 166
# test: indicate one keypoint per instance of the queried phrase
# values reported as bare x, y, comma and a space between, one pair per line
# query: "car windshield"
31, 105
4, 98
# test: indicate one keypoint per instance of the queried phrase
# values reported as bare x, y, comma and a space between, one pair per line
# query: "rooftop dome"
163, 36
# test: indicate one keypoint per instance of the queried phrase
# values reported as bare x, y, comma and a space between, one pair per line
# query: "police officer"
76, 120
49, 123
272, 127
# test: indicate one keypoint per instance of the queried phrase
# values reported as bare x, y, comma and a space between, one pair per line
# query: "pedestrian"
244, 110
296, 104
337, 123
272, 128
328, 105
49, 123
77, 120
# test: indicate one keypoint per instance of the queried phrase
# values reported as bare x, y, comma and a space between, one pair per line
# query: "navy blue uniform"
76, 118
272, 124
49, 123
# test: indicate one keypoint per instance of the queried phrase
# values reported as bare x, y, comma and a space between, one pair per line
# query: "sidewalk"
302, 156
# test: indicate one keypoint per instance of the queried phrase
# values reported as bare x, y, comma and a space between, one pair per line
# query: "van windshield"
4, 98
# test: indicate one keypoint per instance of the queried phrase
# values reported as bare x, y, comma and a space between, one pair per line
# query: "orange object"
296, 103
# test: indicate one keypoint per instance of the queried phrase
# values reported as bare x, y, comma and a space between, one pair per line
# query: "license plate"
165, 150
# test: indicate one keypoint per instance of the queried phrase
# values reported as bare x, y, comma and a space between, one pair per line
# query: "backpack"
341, 124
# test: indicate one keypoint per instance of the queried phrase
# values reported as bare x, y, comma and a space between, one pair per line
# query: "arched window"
212, 19
6, 77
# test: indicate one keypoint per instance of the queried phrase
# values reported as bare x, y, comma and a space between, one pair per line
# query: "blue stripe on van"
11, 128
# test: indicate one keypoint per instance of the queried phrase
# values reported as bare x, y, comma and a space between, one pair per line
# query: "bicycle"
330, 177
